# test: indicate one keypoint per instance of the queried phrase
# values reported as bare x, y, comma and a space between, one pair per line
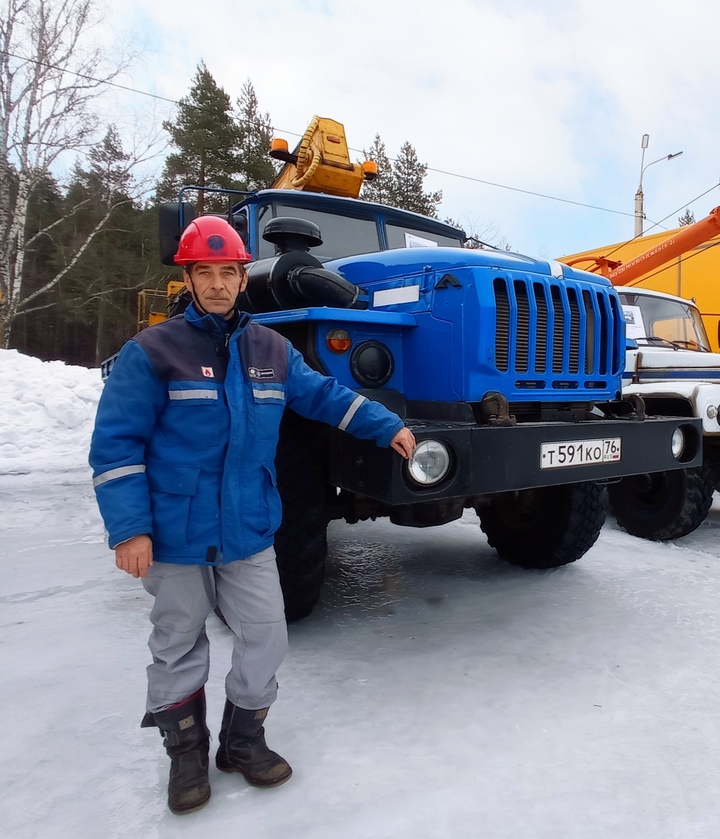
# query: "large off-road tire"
663, 505
545, 527
301, 541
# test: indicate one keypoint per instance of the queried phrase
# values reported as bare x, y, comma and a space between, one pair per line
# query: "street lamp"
639, 211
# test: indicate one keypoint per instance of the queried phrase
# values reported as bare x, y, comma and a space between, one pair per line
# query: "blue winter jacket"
186, 432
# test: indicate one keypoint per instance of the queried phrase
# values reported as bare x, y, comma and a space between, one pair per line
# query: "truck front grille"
557, 329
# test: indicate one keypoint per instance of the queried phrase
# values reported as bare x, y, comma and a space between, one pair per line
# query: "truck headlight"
430, 463
678, 443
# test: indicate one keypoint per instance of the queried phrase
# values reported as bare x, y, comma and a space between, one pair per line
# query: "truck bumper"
489, 459
702, 397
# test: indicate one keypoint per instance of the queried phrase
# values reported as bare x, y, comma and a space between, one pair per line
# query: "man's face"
216, 285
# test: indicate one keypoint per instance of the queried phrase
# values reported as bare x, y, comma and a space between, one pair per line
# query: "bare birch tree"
50, 77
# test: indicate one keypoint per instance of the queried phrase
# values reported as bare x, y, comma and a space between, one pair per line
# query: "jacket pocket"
272, 506
172, 488
195, 415
268, 404
265, 393
173, 478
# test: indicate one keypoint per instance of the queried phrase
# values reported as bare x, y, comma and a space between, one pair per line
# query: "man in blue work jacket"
183, 461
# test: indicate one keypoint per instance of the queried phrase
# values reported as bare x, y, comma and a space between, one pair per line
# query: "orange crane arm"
622, 273
684, 240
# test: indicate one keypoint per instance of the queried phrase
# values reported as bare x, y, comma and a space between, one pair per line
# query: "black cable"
658, 223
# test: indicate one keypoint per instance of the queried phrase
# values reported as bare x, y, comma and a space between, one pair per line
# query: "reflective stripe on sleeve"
193, 394
120, 472
350, 413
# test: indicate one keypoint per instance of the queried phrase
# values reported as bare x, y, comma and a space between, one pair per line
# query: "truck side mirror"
173, 219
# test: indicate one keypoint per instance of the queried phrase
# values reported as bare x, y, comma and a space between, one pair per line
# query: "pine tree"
400, 184
257, 168
207, 138
408, 176
380, 189
687, 218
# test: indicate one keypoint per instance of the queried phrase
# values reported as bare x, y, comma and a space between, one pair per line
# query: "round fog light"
430, 463
371, 364
678, 443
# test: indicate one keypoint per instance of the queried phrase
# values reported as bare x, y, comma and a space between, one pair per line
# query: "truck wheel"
662, 505
545, 527
301, 541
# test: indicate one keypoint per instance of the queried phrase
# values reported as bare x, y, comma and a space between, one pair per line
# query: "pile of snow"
47, 411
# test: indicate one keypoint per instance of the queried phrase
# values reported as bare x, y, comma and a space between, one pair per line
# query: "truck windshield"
350, 235
400, 236
341, 235
659, 321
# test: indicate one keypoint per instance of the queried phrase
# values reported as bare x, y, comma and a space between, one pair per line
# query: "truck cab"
349, 226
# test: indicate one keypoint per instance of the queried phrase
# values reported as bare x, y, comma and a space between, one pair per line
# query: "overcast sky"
548, 96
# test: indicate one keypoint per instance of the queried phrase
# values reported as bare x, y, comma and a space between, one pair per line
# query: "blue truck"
507, 369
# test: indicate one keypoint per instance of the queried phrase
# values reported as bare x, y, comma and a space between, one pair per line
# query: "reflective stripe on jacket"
187, 428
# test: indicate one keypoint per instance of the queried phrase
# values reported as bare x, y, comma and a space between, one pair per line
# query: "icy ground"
435, 692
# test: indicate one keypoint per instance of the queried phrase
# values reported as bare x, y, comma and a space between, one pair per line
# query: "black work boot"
187, 742
243, 749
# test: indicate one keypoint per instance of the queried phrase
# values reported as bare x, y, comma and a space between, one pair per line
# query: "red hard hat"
210, 239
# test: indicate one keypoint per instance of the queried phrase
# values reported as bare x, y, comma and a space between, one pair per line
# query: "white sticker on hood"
391, 296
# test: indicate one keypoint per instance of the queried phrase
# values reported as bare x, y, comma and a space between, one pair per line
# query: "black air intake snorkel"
295, 279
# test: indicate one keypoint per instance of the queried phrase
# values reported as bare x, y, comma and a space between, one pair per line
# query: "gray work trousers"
249, 596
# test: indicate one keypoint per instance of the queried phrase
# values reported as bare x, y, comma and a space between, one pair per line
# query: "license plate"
580, 453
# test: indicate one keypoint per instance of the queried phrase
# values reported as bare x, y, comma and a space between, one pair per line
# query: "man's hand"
135, 556
404, 443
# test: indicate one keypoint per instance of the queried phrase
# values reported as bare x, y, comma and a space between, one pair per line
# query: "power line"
659, 223
686, 204
530, 192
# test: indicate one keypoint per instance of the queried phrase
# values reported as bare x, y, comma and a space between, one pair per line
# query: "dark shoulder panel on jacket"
264, 354
179, 351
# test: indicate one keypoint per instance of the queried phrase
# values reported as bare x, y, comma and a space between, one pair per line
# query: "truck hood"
405, 264
659, 363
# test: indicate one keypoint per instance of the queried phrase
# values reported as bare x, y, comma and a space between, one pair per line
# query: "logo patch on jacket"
208, 372
261, 373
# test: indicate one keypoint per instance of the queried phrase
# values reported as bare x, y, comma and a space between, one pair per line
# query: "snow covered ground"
435, 692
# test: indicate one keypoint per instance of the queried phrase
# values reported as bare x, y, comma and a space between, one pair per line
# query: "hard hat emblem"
216, 243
